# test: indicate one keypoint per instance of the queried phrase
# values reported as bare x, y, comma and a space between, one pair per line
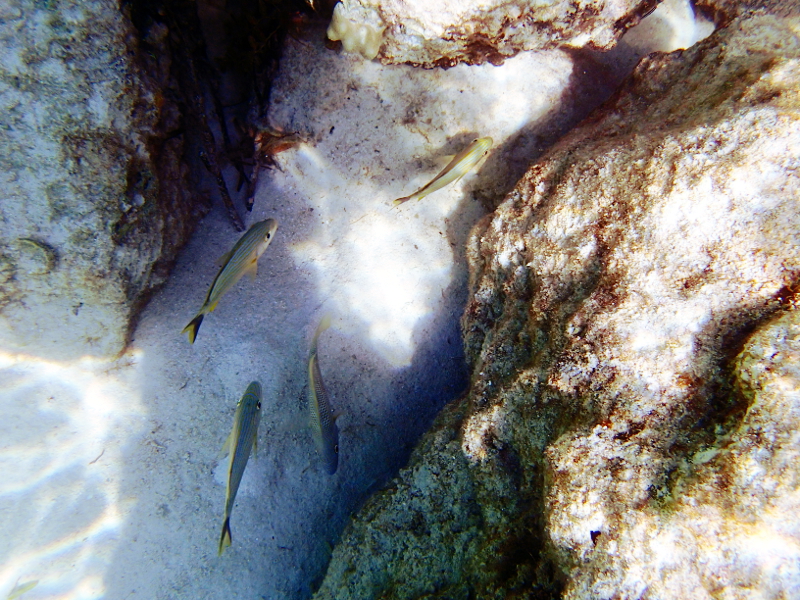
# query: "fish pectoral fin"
255, 448
480, 162
252, 269
213, 306
460, 177
224, 258
226, 447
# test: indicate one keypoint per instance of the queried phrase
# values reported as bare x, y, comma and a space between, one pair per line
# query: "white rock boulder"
93, 200
453, 31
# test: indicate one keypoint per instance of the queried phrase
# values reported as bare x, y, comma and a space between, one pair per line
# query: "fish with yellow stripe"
461, 164
321, 418
242, 438
243, 258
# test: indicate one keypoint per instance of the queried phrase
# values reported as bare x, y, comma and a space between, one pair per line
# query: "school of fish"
243, 259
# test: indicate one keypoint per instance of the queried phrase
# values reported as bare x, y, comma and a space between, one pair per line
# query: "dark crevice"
221, 60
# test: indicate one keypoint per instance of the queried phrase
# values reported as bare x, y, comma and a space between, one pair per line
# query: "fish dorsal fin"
226, 447
222, 260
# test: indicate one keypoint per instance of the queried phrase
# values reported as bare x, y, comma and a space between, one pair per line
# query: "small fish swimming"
242, 438
243, 258
322, 420
455, 169
21, 588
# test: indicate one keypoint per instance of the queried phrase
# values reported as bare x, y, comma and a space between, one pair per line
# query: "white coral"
356, 37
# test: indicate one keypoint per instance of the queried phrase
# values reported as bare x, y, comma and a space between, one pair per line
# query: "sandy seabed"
112, 486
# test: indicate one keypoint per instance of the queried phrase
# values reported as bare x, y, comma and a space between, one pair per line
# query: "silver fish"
242, 438
322, 420
243, 258
455, 169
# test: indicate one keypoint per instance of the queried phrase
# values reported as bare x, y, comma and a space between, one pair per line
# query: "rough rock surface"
452, 32
93, 200
630, 431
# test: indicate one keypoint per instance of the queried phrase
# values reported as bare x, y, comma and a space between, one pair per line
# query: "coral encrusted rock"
631, 427
446, 33
94, 200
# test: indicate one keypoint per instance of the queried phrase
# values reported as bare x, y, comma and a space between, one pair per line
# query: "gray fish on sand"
321, 418
243, 258
455, 169
242, 438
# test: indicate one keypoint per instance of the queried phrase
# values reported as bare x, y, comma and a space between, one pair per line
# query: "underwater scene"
373, 299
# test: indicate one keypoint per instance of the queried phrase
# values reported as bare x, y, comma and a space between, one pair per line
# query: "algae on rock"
444, 34
612, 444
95, 201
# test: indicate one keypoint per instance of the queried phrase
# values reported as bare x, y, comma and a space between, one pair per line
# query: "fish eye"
336, 448
268, 235
258, 406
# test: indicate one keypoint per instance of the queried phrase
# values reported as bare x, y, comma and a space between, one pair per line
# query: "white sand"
111, 486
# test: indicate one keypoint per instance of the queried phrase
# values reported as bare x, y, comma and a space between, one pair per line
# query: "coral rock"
447, 33
631, 425
94, 202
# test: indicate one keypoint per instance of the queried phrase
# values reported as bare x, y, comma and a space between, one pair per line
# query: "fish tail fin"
399, 201
193, 327
324, 323
225, 538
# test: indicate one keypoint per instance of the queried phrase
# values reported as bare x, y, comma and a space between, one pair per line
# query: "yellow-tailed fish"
243, 258
21, 588
243, 437
322, 420
455, 169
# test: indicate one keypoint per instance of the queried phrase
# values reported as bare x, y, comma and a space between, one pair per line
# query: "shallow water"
113, 488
